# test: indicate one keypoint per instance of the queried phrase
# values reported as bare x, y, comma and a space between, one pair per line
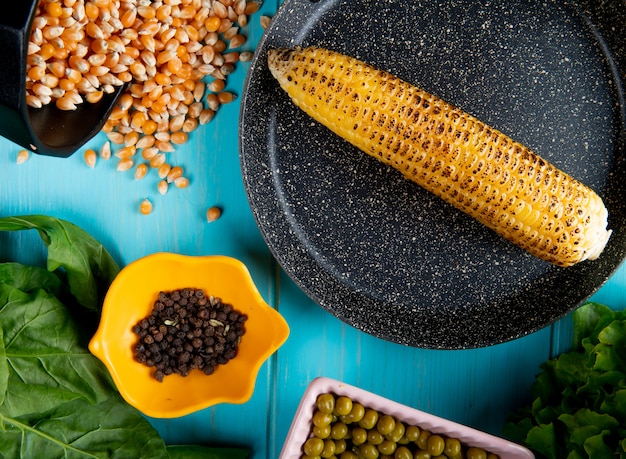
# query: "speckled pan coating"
379, 252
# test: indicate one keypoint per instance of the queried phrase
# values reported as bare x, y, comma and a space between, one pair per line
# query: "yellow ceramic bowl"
131, 298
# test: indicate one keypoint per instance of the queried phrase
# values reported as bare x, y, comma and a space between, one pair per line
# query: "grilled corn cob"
470, 165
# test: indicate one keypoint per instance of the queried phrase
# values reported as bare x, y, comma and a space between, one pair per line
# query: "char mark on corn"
475, 168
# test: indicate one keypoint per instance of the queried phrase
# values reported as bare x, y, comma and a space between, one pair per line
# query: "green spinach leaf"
88, 266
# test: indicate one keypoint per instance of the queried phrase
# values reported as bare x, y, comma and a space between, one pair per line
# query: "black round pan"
384, 255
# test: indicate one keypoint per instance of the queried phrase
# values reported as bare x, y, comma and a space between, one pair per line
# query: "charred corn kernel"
213, 214
475, 168
90, 157
22, 156
145, 206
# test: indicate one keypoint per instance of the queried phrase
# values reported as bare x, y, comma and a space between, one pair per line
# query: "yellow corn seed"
213, 214
470, 165
90, 157
164, 170
145, 206
125, 164
179, 137
181, 182
22, 156
105, 150
157, 160
140, 171
162, 186
174, 173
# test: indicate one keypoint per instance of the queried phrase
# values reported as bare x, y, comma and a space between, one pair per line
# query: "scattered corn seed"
206, 116
140, 171
126, 152
90, 157
164, 170
22, 156
265, 21
116, 137
163, 186
157, 160
149, 153
105, 150
181, 182
145, 206
174, 173
225, 97
213, 214
179, 138
124, 164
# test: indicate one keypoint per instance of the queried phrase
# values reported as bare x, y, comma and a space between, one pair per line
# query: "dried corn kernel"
145, 206
22, 156
181, 182
125, 164
213, 214
174, 173
140, 171
162, 186
90, 157
473, 167
105, 150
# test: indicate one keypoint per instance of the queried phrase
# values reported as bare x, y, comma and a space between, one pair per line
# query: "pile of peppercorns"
187, 330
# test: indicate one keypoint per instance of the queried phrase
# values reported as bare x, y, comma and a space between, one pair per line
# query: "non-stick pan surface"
384, 255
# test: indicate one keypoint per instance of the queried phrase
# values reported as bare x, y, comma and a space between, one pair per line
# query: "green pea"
313, 446
348, 455
422, 454
397, 433
325, 403
368, 451
402, 452
340, 446
436, 444
453, 448
411, 433
422, 440
321, 431
343, 406
369, 419
359, 435
355, 414
388, 447
329, 449
385, 424
375, 437
321, 419
476, 453
338, 431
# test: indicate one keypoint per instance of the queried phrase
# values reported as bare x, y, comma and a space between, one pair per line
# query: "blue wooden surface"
475, 387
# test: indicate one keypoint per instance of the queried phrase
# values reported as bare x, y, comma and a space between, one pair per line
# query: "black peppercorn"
188, 330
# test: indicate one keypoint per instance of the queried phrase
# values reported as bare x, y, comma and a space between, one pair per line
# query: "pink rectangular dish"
301, 424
